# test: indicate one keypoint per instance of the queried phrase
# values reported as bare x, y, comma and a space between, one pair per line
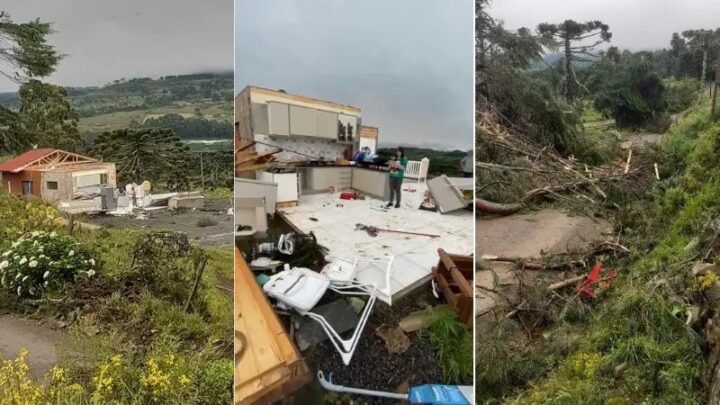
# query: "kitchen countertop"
372, 168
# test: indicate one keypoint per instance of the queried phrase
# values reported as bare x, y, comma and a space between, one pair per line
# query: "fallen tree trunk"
490, 207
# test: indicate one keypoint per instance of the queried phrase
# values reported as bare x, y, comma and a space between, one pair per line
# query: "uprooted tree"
572, 37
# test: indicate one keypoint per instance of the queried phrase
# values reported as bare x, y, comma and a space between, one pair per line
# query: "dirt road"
208, 226
529, 235
638, 140
17, 334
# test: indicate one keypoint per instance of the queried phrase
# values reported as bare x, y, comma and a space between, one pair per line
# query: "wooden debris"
396, 341
269, 367
453, 275
565, 283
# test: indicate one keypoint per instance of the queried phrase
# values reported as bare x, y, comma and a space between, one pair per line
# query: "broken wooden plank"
270, 366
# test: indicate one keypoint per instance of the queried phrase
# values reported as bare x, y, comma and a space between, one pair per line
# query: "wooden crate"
453, 276
269, 367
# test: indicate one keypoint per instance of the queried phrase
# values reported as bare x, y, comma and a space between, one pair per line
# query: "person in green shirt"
397, 173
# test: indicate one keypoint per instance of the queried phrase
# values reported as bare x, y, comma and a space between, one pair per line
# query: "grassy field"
213, 110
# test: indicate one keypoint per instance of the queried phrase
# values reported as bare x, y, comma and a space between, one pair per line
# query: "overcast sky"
635, 24
407, 64
109, 40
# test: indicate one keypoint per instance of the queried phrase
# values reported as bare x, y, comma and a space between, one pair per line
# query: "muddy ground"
217, 229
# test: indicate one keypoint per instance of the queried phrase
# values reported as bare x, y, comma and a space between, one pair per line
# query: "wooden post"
198, 276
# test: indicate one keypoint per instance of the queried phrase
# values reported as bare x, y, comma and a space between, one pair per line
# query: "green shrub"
41, 261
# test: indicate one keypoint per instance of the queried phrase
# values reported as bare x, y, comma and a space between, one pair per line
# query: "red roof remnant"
17, 164
43, 158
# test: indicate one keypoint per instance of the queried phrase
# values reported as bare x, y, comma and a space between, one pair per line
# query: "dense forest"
571, 126
197, 127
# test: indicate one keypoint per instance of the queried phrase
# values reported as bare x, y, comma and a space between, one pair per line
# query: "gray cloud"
108, 40
635, 24
407, 64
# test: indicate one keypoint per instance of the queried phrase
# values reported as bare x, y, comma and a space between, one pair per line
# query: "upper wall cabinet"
303, 121
278, 118
327, 124
347, 128
260, 118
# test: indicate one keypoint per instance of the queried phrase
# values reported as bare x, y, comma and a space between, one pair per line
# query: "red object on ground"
587, 288
347, 195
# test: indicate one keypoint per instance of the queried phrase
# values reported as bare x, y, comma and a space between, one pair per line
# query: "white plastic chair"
301, 289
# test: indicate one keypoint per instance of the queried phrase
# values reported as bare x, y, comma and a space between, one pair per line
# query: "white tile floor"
414, 255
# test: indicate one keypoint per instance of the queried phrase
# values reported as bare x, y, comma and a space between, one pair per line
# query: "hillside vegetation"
203, 97
558, 135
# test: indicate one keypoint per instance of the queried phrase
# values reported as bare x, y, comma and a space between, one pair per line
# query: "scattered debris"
593, 278
339, 314
396, 341
447, 197
454, 275
373, 231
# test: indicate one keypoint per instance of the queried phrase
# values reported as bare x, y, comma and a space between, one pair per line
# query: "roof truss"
57, 159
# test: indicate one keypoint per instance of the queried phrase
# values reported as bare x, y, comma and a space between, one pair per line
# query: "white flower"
4, 264
36, 233
46, 284
92, 261
6, 254
23, 260
72, 252
90, 273
33, 264
53, 234
46, 275
42, 257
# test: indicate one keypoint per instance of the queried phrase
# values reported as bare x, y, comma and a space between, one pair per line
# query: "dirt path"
527, 236
638, 140
17, 334
208, 226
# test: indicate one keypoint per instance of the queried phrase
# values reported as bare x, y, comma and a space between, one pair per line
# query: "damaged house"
55, 175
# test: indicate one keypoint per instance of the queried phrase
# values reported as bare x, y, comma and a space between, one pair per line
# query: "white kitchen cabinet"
287, 184
322, 178
372, 182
